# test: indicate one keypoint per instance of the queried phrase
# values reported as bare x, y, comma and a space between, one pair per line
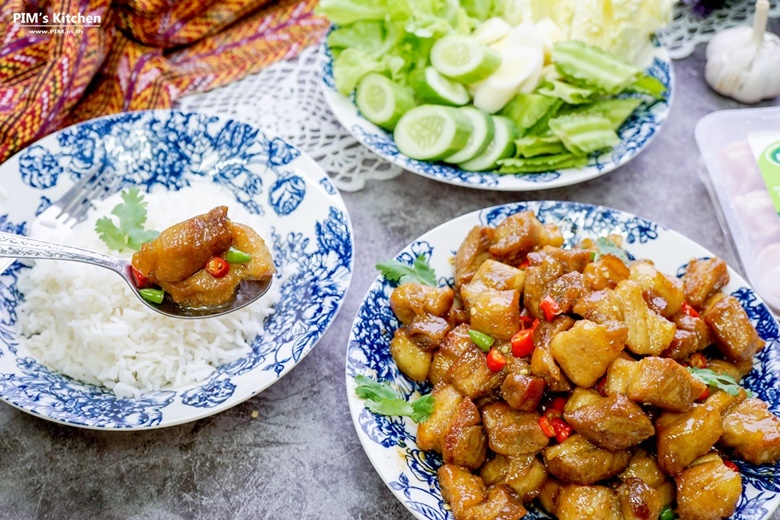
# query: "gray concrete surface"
300, 458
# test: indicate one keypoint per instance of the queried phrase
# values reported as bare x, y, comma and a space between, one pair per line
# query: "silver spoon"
19, 246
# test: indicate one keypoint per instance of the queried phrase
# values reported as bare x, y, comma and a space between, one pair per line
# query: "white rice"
83, 320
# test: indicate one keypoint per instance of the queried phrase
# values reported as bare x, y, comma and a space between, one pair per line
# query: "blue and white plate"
390, 442
312, 248
635, 135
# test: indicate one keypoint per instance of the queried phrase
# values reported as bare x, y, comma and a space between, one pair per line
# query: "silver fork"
73, 206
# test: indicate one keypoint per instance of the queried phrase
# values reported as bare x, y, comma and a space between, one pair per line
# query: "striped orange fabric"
144, 54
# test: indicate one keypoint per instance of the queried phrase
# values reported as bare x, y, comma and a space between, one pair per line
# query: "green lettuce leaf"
351, 65
479, 10
617, 110
369, 36
343, 12
391, 37
533, 146
568, 93
592, 68
649, 85
526, 110
583, 134
542, 163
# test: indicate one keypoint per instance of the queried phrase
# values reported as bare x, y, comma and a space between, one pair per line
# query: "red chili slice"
730, 465
141, 281
495, 360
523, 343
559, 403
562, 429
698, 360
690, 311
217, 267
550, 308
546, 425
525, 320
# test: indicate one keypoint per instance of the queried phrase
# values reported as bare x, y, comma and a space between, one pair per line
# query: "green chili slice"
235, 256
152, 295
666, 514
482, 340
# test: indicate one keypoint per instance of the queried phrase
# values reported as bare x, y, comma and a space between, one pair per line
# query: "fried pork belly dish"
591, 384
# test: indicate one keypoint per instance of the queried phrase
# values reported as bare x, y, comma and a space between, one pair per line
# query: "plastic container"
730, 141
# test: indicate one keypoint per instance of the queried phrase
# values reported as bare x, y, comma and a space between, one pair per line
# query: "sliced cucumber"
432, 132
501, 146
381, 101
464, 59
431, 87
483, 130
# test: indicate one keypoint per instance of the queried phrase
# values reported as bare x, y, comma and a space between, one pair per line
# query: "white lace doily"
688, 29
286, 100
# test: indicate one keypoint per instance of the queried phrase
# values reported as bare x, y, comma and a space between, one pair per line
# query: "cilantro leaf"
110, 234
390, 407
371, 389
723, 381
131, 214
422, 408
420, 272
382, 399
137, 237
608, 247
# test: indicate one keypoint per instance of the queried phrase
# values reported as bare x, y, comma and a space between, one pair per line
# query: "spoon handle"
20, 246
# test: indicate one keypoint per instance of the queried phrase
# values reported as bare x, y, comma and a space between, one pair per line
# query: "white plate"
635, 134
390, 441
312, 248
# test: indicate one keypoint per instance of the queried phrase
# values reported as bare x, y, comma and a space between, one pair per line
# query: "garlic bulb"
744, 62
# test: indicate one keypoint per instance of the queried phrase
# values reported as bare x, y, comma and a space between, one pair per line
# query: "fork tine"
104, 186
70, 196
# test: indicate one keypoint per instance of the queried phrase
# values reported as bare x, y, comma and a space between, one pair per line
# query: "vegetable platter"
391, 442
482, 97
